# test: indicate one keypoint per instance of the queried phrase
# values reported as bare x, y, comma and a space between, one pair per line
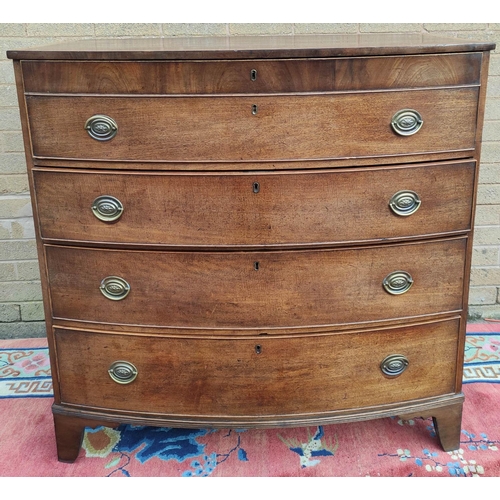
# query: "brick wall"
21, 313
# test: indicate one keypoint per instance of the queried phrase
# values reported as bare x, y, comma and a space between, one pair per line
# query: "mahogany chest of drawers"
254, 232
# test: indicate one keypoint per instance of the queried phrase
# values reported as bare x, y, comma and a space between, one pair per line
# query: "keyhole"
253, 75
256, 187
256, 266
254, 109
258, 348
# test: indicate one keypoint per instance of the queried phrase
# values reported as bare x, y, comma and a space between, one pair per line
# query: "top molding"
250, 47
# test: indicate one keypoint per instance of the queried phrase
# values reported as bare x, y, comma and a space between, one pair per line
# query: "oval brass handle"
405, 203
122, 372
397, 282
101, 127
394, 365
407, 122
107, 208
114, 288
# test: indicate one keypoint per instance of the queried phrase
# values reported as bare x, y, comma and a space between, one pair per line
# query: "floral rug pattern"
25, 373
459, 462
482, 358
127, 444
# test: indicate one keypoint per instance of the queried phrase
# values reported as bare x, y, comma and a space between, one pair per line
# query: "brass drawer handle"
101, 127
405, 203
397, 282
122, 372
114, 288
107, 208
407, 122
394, 365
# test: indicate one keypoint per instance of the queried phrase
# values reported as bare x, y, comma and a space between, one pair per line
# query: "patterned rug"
386, 447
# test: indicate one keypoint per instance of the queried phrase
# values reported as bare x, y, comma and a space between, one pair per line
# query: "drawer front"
255, 290
255, 209
258, 128
287, 75
257, 376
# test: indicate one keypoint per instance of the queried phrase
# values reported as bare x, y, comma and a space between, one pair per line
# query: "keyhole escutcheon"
254, 109
256, 187
253, 75
258, 348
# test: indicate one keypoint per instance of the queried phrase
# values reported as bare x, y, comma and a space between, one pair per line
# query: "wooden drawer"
253, 128
254, 209
255, 290
258, 376
251, 76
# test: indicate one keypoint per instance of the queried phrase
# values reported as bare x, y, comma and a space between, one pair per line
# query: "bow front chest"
254, 232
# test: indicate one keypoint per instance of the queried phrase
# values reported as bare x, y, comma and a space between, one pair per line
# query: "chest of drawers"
254, 232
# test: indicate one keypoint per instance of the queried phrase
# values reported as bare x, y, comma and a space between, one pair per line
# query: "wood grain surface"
277, 75
225, 129
251, 47
227, 377
203, 290
315, 208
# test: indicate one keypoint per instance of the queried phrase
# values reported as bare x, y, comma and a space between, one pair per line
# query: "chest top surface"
251, 47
